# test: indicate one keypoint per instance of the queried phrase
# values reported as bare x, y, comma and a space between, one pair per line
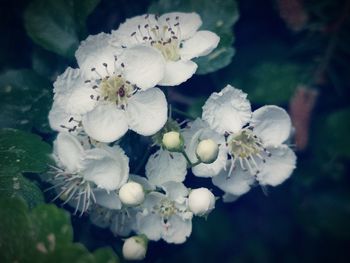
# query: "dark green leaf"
25, 100
332, 138
22, 152
218, 16
271, 82
57, 25
17, 186
42, 235
105, 255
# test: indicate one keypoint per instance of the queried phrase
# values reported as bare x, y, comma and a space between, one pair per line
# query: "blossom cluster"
116, 89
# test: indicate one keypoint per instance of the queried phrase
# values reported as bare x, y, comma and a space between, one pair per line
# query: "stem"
189, 163
182, 113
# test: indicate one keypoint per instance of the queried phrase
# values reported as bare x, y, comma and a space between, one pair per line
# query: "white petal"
133, 30
272, 124
68, 151
177, 72
164, 166
72, 94
201, 44
123, 222
175, 191
59, 120
109, 170
95, 51
147, 111
278, 167
177, 230
200, 130
100, 216
212, 169
105, 123
237, 184
108, 200
144, 66
189, 23
150, 225
228, 198
227, 111
147, 186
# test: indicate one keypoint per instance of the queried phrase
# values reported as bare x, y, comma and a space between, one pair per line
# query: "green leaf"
58, 25
22, 152
17, 186
332, 139
105, 255
271, 82
49, 219
25, 100
218, 16
42, 235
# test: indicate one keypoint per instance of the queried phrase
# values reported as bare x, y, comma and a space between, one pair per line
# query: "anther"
104, 64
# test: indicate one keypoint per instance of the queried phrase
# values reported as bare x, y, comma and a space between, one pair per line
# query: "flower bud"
172, 141
207, 151
201, 201
135, 247
131, 194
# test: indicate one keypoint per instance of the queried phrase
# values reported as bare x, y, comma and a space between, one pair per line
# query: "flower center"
169, 50
167, 208
72, 187
244, 144
165, 37
117, 90
244, 147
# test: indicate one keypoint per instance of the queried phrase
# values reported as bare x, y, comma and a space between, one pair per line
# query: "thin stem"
189, 116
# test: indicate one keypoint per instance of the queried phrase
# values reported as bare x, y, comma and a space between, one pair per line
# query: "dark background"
307, 218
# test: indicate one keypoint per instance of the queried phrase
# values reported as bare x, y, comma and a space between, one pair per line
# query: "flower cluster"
115, 89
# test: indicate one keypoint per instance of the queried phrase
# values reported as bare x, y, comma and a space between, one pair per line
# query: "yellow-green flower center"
244, 144
116, 89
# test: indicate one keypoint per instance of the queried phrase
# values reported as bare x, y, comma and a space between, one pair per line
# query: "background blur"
292, 53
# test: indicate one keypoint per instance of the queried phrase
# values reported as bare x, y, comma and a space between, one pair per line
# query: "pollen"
117, 90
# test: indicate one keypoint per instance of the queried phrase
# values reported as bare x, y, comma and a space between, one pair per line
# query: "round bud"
135, 248
201, 201
207, 151
131, 194
172, 141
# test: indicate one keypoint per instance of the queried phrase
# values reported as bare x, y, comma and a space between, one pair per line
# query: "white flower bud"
131, 194
172, 141
201, 201
135, 247
207, 151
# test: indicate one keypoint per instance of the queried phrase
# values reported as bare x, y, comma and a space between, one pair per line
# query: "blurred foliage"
43, 234
22, 152
58, 26
25, 100
218, 16
304, 220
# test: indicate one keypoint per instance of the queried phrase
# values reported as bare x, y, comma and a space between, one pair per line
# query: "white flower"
135, 248
176, 36
196, 132
84, 175
112, 91
131, 194
165, 215
207, 151
254, 141
201, 201
164, 166
172, 141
